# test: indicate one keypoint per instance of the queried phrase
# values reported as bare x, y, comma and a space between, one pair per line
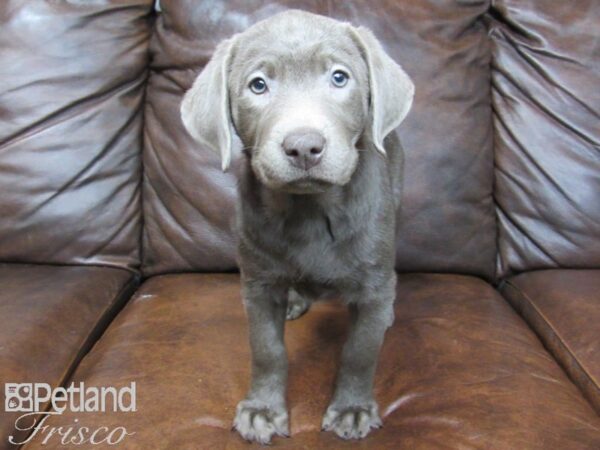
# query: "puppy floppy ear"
391, 89
205, 107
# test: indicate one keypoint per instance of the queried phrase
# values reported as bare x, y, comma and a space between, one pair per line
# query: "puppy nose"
304, 148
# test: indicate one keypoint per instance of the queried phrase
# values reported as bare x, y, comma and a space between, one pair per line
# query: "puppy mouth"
285, 177
305, 183
299, 183
306, 186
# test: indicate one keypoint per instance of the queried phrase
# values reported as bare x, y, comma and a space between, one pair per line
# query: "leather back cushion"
447, 218
546, 97
71, 88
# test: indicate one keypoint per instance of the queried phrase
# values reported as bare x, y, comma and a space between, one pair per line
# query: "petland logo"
38, 401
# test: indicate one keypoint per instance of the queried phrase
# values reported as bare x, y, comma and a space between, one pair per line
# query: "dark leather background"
447, 219
72, 77
546, 98
70, 111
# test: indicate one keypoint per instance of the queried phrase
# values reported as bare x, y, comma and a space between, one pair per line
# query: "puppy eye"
339, 78
258, 86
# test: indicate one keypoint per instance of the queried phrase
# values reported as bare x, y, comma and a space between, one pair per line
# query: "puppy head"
300, 90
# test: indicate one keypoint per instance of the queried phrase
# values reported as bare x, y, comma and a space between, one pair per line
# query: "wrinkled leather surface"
563, 307
447, 220
72, 77
49, 317
546, 98
459, 369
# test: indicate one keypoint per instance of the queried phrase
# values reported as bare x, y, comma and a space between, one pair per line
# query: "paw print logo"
18, 397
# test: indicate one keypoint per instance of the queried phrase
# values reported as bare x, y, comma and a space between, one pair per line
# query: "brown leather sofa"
118, 257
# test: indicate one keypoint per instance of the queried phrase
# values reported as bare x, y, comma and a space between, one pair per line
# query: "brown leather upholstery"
459, 369
546, 97
563, 307
72, 77
447, 220
49, 318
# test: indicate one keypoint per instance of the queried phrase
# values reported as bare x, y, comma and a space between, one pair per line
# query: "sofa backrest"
546, 99
71, 89
447, 220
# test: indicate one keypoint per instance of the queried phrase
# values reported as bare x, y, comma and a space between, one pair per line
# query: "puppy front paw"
352, 422
257, 421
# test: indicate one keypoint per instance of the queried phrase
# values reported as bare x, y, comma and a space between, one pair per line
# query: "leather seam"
88, 342
129, 269
555, 332
120, 299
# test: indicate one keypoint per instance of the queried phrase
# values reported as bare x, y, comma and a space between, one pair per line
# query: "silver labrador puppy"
311, 99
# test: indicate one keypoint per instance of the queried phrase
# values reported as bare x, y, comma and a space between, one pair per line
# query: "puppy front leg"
353, 410
263, 413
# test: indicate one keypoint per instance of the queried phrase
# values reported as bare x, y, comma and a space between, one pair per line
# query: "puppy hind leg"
297, 305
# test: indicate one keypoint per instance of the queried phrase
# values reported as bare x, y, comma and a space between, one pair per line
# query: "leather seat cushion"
49, 318
459, 369
563, 307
